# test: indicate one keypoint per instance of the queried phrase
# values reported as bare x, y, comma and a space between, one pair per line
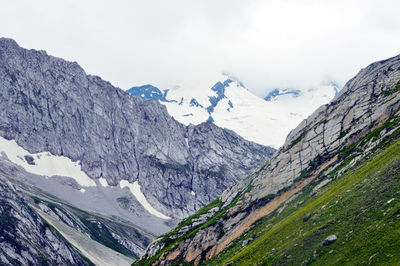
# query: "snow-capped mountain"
229, 104
304, 102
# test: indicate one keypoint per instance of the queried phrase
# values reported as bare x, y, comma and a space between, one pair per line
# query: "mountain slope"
28, 239
127, 149
359, 122
226, 102
361, 210
115, 233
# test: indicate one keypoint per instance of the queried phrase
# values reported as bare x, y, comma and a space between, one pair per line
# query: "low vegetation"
362, 208
387, 93
96, 227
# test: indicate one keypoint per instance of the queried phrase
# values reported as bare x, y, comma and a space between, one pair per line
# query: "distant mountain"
229, 104
326, 90
303, 102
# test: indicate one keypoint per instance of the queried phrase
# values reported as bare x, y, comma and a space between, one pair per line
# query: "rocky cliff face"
48, 104
363, 116
26, 239
100, 238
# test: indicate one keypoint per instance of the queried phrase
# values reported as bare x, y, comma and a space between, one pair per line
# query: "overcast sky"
266, 44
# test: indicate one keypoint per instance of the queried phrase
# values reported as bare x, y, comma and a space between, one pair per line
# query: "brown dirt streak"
173, 255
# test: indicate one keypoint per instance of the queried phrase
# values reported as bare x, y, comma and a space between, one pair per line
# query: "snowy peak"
229, 104
196, 103
192, 103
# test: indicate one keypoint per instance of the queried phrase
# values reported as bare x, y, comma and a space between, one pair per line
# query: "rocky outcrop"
329, 240
48, 104
363, 116
365, 102
120, 237
103, 237
26, 239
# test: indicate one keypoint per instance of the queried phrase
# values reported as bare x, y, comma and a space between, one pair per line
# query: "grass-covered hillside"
361, 208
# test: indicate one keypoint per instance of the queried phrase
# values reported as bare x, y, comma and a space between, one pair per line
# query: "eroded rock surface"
26, 239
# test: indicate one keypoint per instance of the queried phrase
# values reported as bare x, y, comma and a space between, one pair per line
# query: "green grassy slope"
362, 208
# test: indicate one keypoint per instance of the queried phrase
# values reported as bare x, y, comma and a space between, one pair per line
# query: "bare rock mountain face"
28, 240
361, 118
48, 104
40, 229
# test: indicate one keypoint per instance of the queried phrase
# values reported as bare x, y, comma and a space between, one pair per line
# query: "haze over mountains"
226, 101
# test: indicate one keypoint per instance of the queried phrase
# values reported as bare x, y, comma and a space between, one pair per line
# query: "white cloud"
267, 44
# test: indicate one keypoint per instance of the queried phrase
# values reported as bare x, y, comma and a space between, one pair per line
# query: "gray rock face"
48, 104
329, 240
367, 101
109, 234
24, 237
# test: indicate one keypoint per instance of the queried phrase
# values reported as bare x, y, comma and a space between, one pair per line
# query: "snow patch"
44, 163
135, 190
103, 182
82, 190
187, 141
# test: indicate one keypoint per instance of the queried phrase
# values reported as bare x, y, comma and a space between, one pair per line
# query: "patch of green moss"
298, 139
263, 201
374, 135
101, 233
214, 172
387, 93
176, 167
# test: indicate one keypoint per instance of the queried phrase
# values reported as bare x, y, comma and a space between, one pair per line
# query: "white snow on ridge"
45, 163
183, 110
103, 182
255, 119
135, 190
